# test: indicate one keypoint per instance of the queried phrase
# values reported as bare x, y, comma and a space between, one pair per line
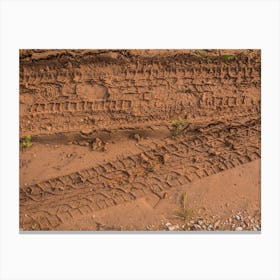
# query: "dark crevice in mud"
156, 133
105, 135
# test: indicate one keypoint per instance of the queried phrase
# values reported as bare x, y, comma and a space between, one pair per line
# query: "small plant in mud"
26, 143
228, 57
184, 212
178, 126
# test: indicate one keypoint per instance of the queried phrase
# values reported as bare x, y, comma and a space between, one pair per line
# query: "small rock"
172, 228
210, 227
199, 222
137, 137
197, 226
217, 223
237, 218
239, 229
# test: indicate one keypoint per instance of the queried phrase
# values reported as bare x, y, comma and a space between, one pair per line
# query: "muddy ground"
140, 140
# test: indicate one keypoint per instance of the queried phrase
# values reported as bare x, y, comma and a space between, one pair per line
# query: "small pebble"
217, 223
172, 228
239, 229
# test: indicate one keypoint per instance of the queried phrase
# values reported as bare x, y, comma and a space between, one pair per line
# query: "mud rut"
87, 92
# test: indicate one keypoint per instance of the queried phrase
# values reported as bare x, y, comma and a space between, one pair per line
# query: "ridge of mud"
131, 55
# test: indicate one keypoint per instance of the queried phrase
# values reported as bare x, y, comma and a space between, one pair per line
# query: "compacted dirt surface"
146, 140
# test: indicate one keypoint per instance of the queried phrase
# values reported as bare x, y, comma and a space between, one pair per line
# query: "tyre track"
73, 116
49, 204
122, 88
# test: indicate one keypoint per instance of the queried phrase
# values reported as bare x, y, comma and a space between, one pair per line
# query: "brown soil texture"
140, 140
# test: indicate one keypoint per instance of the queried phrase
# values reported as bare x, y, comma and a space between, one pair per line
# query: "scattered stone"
137, 137
217, 223
210, 227
199, 222
239, 229
172, 228
196, 226
237, 218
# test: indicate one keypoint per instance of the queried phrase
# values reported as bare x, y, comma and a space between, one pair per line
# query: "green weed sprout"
26, 143
178, 125
228, 57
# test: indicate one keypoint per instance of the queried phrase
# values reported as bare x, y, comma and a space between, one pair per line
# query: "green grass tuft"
26, 143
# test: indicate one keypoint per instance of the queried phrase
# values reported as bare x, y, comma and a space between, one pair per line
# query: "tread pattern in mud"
107, 89
49, 204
